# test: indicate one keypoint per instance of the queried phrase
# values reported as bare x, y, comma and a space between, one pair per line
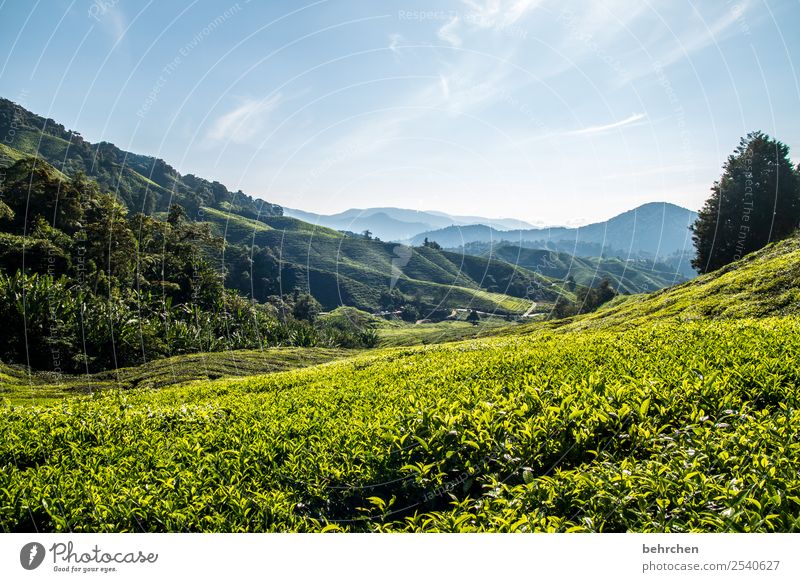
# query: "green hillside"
627, 276
683, 419
761, 284
20, 386
345, 270
336, 269
143, 183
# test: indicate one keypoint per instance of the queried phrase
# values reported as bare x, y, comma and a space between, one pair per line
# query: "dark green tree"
755, 202
306, 308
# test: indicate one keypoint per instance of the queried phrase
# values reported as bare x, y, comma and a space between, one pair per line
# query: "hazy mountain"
656, 229
398, 223
267, 253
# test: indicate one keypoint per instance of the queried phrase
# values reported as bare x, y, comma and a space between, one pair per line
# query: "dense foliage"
756, 201
84, 287
670, 427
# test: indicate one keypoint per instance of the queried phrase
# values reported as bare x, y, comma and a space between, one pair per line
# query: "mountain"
656, 229
627, 276
268, 254
398, 224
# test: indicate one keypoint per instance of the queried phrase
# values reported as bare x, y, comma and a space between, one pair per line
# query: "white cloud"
603, 128
394, 43
244, 122
496, 13
447, 32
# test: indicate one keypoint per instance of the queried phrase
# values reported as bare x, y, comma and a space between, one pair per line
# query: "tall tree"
756, 201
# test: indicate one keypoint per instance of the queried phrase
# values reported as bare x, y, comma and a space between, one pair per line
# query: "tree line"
85, 287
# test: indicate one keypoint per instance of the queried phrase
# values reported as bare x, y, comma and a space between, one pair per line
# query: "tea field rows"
666, 427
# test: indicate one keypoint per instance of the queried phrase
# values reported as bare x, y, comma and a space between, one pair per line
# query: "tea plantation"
673, 427
677, 423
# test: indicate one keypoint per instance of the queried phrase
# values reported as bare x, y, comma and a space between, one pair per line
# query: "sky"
553, 112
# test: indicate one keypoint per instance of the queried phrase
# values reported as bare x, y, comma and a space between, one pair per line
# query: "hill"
277, 254
654, 415
628, 276
761, 284
398, 224
653, 230
339, 269
143, 183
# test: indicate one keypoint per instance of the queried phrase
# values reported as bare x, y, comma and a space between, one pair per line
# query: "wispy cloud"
486, 15
594, 129
448, 34
395, 41
496, 13
244, 122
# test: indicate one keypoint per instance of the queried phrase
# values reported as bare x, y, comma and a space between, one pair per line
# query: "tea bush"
667, 427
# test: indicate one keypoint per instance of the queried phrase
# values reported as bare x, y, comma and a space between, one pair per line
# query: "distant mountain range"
309, 252
283, 253
396, 224
653, 230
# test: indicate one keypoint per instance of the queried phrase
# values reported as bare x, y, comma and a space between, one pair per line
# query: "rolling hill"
143, 183
345, 270
627, 276
764, 283
338, 269
672, 412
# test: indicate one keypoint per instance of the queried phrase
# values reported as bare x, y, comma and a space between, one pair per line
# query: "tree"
306, 308
590, 298
5, 211
756, 201
367, 234
431, 244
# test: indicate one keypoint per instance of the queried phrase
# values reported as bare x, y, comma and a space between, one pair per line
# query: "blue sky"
553, 112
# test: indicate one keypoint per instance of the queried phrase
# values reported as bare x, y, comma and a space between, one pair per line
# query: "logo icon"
403, 256
31, 555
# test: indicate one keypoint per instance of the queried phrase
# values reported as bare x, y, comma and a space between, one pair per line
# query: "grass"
409, 334
764, 283
19, 386
668, 427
